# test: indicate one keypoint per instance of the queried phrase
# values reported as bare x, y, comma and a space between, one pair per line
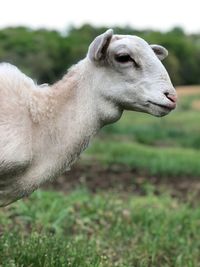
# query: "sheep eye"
123, 58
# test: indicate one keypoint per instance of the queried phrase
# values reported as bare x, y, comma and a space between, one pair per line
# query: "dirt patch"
188, 90
196, 105
122, 179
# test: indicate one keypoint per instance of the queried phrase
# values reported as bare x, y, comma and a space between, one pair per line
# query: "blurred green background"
133, 197
46, 55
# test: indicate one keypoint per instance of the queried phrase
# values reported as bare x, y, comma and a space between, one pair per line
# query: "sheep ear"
97, 49
160, 51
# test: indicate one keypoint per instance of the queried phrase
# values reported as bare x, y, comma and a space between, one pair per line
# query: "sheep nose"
172, 98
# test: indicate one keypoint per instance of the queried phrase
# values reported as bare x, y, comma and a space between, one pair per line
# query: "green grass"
165, 147
163, 162
82, 229
110, 229
180, 129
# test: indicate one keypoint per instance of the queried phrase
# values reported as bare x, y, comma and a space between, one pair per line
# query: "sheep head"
131, 75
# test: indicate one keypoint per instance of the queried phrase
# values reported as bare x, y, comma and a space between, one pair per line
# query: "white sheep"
44, 129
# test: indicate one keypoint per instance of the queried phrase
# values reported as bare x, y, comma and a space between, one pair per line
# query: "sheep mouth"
166, 107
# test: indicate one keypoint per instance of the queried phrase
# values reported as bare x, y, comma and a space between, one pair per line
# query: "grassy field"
164, 147
105, 229
131, 201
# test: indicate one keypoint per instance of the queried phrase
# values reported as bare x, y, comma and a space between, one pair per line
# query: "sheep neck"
77, 112
79, 99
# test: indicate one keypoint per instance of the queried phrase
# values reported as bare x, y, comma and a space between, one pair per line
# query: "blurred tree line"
45, 55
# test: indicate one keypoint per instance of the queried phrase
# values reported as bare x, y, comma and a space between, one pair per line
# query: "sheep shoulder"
15, 124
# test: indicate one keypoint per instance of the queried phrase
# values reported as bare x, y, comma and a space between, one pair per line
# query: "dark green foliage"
46, 54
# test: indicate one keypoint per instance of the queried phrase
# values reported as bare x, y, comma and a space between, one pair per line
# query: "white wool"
43, 129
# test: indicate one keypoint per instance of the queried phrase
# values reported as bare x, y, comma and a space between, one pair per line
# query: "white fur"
43, 129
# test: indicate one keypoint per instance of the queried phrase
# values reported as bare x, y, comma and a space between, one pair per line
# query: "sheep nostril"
171, 97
